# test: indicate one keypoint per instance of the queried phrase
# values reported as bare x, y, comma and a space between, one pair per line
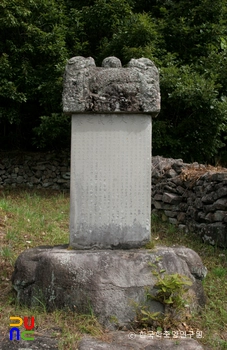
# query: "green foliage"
97, 23
53, 130
149, 317
191, 29
170, 290
220, 271
187, 40
192, 124
32, 59
137, 36
191, 114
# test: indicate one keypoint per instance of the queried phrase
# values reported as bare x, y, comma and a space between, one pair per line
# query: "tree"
192, 123
187, 40
32, 58
96, 25
191, 120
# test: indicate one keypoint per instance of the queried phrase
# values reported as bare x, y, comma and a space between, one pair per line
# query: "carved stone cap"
111, 88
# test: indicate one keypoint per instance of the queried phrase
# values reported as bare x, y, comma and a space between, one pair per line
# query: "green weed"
169, 290
219, 271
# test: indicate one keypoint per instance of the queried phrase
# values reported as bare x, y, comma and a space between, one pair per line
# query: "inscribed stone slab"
110, 181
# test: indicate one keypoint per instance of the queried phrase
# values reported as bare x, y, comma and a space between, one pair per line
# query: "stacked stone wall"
191, 196
39, 170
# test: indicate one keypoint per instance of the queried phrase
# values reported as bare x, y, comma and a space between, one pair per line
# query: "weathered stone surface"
160, 165
181, 217
111, 62
221, 192
220, 204
170, 213
219, 176
171, 188
173, 221
157, 204
39, 343
171, 198
111, 88
157, 197
116, 341
106, 281
198, 203
215, 233
203, 198
131, 341
219, 215
171, 173
110, 181
201, 216
39, 170
180, 189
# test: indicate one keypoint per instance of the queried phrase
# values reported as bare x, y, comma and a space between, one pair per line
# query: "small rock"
171, 198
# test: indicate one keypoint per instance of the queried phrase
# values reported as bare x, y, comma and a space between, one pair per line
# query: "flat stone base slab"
133, 341
116, 341
108, 282
39, 343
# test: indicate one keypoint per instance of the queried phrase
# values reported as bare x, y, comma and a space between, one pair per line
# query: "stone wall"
191, 196
40, 170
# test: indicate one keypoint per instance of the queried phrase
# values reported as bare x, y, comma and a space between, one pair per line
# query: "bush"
192, 118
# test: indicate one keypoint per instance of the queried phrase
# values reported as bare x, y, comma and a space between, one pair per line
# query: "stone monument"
112, 109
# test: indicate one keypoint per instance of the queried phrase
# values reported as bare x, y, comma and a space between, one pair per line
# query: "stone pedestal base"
107, 282
133, 341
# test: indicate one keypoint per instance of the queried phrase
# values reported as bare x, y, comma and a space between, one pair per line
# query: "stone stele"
112, 109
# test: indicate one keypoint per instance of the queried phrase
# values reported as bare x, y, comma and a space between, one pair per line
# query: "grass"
32, 218
29, 219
